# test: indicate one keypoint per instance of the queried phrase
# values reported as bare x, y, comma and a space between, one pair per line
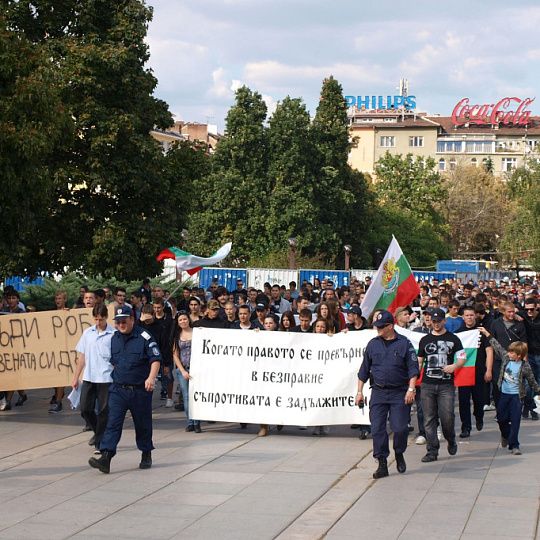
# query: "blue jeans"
438, 404
184, 387
509, 418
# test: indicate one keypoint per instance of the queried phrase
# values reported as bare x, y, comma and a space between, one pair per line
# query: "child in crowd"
512, 387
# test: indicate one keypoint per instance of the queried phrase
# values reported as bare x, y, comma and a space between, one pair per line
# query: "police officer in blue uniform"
136, 361
391, 364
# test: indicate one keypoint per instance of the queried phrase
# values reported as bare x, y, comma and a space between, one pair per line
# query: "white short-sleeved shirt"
96, 347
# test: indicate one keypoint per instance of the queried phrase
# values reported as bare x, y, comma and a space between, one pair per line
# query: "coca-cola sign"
509, 110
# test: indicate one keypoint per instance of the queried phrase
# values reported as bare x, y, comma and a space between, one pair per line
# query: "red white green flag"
192, 263
394, 284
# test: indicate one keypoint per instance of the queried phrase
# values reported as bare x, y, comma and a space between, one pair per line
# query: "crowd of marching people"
507, 365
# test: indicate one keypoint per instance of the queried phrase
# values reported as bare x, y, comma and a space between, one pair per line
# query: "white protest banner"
277, 377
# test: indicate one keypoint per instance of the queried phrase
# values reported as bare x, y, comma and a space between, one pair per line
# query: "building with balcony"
503, 146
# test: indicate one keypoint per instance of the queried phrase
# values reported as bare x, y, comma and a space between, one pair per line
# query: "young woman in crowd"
323, 312
181, 346
287, 322
195, 309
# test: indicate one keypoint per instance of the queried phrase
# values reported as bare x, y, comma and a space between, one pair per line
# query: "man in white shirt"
94, 355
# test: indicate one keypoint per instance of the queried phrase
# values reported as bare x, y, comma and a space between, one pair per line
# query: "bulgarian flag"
394, 284
470, 339
192, 263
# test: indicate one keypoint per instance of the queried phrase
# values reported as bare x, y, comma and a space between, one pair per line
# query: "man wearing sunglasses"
136, 359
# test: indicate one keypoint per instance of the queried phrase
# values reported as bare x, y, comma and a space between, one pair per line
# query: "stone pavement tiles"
227, 483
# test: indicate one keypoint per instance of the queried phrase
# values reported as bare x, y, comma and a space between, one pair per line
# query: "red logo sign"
509, 110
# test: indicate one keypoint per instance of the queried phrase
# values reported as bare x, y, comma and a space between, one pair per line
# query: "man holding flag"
440, 354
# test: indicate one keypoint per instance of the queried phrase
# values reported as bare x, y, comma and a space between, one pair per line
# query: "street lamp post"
292, 253
348, 250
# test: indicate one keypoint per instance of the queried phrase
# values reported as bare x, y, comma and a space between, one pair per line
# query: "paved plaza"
226, 483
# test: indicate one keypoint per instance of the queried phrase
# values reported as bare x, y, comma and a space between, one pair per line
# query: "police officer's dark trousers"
138, 401
388, 404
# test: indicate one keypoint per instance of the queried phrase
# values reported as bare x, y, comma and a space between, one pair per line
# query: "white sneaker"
489, 407
439, 434
169, 403
420, 440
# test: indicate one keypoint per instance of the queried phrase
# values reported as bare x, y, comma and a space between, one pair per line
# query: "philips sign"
384, 103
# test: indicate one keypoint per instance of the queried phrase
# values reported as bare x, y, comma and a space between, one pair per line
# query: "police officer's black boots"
400, 463
146, 460
103, 463
382, 470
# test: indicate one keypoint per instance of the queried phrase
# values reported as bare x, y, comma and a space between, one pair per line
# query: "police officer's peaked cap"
122, 312
383, 318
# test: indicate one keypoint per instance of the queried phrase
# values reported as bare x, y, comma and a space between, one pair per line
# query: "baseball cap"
213, 304
122, 313
356, 310
261, 306
383, 318
437, 315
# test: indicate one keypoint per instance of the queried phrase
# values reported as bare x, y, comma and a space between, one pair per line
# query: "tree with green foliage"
291, 201
420, 243
521, 239
33, 126
411, 183
340, 192
476, 209
110, 179
231, 202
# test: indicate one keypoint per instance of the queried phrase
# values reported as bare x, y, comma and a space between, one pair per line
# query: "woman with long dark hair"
287, 322
181, 347
195, 308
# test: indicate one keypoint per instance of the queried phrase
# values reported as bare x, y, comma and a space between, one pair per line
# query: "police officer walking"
391, 364
136, 361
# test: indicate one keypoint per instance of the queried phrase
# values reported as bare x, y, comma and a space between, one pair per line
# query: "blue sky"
201, 50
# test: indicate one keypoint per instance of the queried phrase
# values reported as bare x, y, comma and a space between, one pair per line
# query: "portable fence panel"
361, 275
225, 277
339, 277
257, 277
420, 275
19, 283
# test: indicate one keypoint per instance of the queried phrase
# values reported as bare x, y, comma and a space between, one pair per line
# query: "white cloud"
201, 52
220, 87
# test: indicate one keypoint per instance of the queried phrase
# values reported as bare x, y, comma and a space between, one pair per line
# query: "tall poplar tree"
340, 192
232, 202
291, 201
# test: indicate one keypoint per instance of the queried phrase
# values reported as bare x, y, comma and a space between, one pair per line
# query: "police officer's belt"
131, 386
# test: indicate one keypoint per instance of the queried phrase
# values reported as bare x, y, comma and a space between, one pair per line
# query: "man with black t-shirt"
439, 355
483, 375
